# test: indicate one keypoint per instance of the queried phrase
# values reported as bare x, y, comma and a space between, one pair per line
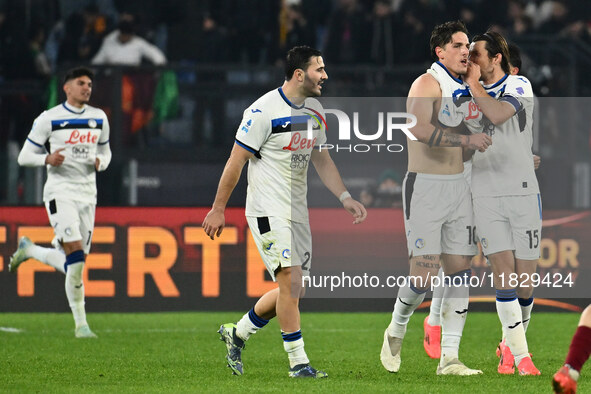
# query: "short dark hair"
299, 57
442, 33
495, 43
78, 72
514, 55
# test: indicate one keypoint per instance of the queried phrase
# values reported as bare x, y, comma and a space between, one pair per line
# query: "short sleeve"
254, 130
40, 131
105, 130
518, 92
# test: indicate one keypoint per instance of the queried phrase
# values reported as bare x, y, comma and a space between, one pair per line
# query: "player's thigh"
65, 220
424, 215
526, 225
302, 247
273, 238
87, 215
492, 225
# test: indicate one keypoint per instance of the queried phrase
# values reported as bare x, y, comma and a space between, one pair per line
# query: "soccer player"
436, 200
506, 359
565, 380
78, 137
505, 192
431, 325
275, 140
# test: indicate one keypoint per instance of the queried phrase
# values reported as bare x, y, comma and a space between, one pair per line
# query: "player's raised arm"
214, 221
496, 111
421, 98
330, 176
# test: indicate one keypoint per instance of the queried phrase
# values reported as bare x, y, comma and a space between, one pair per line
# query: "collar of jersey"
500, 81
73, 109
292, 105
458, 80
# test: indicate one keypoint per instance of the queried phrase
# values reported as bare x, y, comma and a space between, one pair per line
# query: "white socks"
526, 306
454, 309
249, 324
509, 312
293, 343
408, 299
50, 256
435, 309
74, 286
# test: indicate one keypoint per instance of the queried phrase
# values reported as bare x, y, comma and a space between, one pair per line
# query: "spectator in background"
382, 38
412, 34
347, 36
83, 35
36, 61
294, 29
386, 194
123, 47
559, 18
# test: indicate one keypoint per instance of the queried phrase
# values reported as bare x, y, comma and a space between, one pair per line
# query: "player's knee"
75, 262
586, 317
525, 291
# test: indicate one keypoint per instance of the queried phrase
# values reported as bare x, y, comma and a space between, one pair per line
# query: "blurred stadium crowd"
37, 36
165, 68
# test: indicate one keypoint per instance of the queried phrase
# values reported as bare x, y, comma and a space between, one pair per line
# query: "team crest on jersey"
92, 123
286, 254
420, 243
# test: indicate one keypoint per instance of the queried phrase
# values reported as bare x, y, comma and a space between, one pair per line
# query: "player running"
78, 137
274, 139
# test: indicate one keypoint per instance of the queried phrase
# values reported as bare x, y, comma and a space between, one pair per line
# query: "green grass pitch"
181, 352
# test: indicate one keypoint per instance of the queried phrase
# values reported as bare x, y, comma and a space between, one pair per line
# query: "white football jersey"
276, 131
506, 168
455, 97
84, 133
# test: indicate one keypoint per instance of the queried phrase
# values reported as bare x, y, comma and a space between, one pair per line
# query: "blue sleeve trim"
513, 101
103, 143
248, 148
34, 143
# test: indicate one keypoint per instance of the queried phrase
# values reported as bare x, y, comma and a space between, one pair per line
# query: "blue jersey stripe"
287, 100
513, 101
85, 123
69, 110
34, 143
248, 148
291, 119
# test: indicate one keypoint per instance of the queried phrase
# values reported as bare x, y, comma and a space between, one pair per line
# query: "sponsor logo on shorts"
419, 243
484, 242
286, 253
68, 231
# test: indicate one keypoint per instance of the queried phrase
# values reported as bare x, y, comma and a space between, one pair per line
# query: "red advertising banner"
160, 258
